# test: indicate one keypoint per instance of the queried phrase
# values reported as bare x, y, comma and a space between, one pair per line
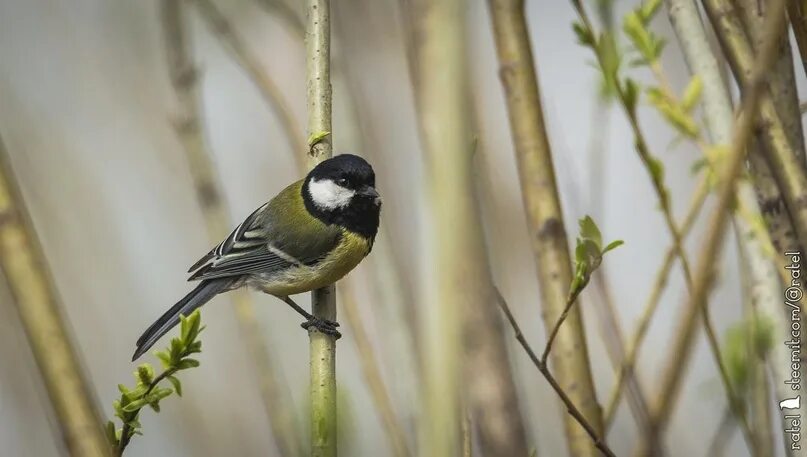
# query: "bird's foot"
323, 326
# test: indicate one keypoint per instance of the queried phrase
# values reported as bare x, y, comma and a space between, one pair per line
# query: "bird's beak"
371, 193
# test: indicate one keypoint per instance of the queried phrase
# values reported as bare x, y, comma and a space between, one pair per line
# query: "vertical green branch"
22, 262
323, 301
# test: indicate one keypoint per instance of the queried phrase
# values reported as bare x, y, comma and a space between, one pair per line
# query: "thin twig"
554, 332
763, 287
659, 284
711, 336
730, 171
542, 367
644, 153
642, 149
541, 200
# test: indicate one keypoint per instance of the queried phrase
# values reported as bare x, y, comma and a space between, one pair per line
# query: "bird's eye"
341, 181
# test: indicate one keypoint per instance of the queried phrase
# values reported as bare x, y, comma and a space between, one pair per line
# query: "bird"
308, 236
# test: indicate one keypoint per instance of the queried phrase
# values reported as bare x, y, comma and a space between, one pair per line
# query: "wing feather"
269, 241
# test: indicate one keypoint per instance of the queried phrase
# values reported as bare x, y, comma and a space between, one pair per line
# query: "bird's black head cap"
341, 190
353, 169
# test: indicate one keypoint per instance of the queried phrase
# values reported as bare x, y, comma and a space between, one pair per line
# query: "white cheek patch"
326, 194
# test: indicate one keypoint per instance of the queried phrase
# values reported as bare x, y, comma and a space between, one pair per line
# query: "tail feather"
196, 298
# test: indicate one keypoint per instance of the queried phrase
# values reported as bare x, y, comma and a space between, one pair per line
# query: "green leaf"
657, 47
160, 393
184, 326
184, 364
110, 433
194, 347
155, 406
656, 169
613, 245
580, 253
631, 94
610, 58
136, 393
177, 385
176, 350
590, 231
692, 93
698, 165
647, 43
145, 373
164, 357
317, 138
649, 9
194, 324
677, 115
135, 405
584, 35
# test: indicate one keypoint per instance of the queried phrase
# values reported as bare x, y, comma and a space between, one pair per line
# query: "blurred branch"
610, 326
441, 100
781, 79
781, 84
390, 280
627, 94
758, 403
323, 301
762, 282
575, 413
372, 375
35, 297
189, 126
544, 215
780, 155
718, 117
797, 12
244, 56
728, 173
659, 284
676, 112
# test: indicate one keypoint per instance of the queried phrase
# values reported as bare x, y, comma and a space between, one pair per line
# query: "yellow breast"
351, 249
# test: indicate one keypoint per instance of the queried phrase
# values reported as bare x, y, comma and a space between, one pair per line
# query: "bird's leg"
323, 325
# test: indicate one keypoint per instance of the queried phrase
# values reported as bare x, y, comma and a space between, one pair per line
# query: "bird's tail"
197, 297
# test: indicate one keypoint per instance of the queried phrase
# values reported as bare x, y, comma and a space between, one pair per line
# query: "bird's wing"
270, 239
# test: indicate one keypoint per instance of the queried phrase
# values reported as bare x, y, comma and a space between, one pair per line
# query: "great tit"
308, 236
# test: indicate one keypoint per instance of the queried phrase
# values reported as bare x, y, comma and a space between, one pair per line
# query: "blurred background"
87, 113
